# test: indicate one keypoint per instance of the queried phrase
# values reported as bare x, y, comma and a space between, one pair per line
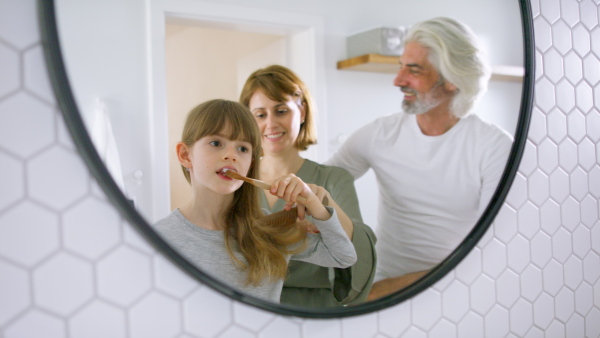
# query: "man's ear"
183, 154
450, 86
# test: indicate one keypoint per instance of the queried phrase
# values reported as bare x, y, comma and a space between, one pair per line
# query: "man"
436, 165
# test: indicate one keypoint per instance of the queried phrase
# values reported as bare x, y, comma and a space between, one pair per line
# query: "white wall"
70, 266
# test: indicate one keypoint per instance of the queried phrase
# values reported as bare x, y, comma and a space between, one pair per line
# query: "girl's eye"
215, 143
282, 111
244, 149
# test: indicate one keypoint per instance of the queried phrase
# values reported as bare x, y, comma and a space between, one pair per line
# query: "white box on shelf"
381, 40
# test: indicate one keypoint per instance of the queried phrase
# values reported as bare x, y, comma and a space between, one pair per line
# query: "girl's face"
210, 155
278, 122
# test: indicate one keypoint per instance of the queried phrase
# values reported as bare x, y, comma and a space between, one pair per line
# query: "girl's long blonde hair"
264, 246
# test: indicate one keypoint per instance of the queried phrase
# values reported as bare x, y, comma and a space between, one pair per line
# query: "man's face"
422, 85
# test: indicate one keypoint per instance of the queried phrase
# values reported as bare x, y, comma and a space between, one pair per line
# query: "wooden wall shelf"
389, 64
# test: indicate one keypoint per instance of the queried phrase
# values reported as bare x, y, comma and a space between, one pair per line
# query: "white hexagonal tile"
559, 185
541, 249
592, 323
63, 283
470, 267
395, 319
575, 326
327, 328
234, 331
426, 309
483, 294
505, 224
539, 65
545, 97
255, 319
581, 40
596, 238
471, 326
543, 310
360, 326
517, 194
550, 217
172, 279
26, 125
590, 268
592, 122
589, 211
123, 276
412, 332
494, 258
557, 129
36, 324
99, 320
561, 37
581, 242
443, 329
576, 126
588, 13
595, 35
594, 181
537, 132
156, 315
591, 69
531, 283
28, 233
565, 96
584, 299
556, 329
579, 183
586, 153
570, 214
35, 74
539, 191
567, 155
57, 178
507, 288
573, 272
495, 322
553, 65
19, 23
455, 301
566, 300
206, 312
12, 181
573, 67
521, 317
279, 325
547, 155
14, 291
550, 10
562, 246
529, 220
569, 10
553, 277
91, 228
10, 70
133, 238
535, 332
584, 98
518, 255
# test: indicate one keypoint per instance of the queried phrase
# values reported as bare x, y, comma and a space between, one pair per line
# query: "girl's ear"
183, 154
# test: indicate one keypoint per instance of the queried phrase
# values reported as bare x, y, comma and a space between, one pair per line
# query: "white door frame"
304, 34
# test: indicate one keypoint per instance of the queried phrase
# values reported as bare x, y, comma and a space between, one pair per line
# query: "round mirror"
121, 72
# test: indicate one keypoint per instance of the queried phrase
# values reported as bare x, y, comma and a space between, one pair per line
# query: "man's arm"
390, 285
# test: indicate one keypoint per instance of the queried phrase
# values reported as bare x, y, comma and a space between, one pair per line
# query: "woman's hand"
290, 187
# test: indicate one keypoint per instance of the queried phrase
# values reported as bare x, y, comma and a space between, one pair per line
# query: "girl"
283, 108
219, 230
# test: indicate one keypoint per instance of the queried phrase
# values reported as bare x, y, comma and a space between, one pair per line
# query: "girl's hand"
289, 187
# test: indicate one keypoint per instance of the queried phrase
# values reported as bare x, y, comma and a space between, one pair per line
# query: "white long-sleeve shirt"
432, 189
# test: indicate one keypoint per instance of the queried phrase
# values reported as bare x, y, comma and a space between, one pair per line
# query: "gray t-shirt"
206, 250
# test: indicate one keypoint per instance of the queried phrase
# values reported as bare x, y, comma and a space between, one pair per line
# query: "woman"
283, 108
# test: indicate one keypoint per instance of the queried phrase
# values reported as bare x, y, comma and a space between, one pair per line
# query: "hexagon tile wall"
70, 266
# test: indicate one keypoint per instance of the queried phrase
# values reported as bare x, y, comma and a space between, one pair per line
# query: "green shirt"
309, 285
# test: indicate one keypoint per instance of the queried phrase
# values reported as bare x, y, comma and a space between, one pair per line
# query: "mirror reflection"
427, 203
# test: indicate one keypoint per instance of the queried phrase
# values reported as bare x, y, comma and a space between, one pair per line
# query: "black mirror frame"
66, 103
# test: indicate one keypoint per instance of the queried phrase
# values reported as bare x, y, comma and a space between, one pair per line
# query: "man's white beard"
429, 101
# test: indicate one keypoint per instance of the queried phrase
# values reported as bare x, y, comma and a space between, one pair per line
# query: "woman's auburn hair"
275, 82
263, 245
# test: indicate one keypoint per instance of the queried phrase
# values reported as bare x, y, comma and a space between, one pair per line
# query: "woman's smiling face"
278, 122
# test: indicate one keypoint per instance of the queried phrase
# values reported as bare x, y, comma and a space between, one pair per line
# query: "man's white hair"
454, 51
